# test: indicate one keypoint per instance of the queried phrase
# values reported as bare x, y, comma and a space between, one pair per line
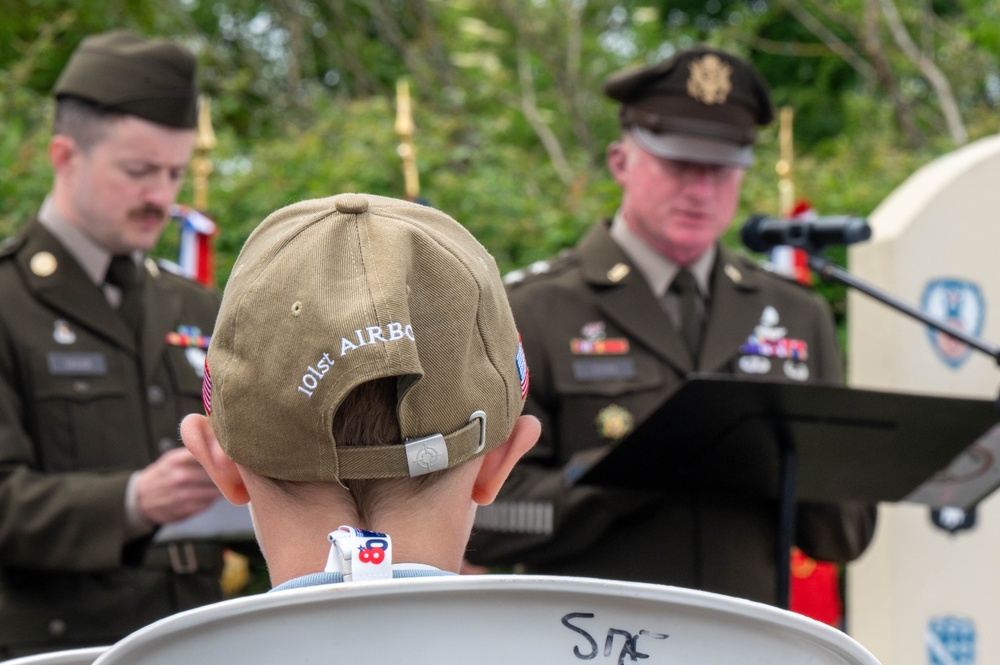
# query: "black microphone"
760, 232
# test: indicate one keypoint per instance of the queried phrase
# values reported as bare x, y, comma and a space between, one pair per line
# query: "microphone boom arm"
831, 272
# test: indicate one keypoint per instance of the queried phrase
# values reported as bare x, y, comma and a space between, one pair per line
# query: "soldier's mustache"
148, 210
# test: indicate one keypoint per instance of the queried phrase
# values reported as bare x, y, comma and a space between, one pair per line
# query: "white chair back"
488, 620
84, 656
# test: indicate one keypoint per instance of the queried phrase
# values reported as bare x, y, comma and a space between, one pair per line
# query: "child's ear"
200, 439
498, 463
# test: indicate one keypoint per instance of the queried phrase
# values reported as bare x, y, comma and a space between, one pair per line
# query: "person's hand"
174, 487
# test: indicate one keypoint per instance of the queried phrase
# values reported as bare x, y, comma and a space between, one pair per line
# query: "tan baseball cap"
153, 79
331, 293
701, 105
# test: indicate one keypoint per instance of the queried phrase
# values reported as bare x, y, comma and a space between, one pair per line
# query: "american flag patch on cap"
206, 390
522, 368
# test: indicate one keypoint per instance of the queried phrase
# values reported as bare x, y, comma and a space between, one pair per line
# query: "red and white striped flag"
790, 261
196, 257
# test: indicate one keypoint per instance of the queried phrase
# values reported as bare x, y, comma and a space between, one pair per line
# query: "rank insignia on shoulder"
513, 277
539, 267
615, 346
614, 422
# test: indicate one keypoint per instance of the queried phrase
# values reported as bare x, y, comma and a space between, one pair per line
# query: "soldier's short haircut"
84, 122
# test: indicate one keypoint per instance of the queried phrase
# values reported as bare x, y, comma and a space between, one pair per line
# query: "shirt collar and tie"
683, 292
118, 277
123, 273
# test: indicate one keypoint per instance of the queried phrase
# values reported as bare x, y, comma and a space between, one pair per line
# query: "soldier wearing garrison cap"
101, 356
611, 327
363, 389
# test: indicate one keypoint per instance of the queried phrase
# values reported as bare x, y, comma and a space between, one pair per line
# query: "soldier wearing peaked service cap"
703, 106
611, 327
101, 361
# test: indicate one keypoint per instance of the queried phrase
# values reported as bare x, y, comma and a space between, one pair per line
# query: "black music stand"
788, 441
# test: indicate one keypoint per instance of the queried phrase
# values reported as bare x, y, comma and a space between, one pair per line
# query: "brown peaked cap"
702, 91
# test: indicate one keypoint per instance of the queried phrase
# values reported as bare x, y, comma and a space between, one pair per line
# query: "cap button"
351, 204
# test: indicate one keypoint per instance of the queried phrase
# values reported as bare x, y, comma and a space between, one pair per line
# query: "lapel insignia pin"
43, 264
152, 268
618, 272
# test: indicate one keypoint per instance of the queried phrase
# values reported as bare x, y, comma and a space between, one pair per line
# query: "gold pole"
407, 150
204, 142
786, 186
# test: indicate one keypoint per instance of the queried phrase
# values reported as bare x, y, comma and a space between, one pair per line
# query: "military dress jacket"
603, 355
82, 406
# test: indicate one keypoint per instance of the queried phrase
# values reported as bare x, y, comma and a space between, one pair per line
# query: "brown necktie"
686, 288
124, 274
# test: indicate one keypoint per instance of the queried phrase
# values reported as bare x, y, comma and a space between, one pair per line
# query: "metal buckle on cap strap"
430, 453
481, 416
183, 559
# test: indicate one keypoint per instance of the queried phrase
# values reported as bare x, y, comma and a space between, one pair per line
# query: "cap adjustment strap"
415, 457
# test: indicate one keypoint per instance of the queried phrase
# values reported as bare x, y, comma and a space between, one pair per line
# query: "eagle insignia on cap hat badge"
709, 81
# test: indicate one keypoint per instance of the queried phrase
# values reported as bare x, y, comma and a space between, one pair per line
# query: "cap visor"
693, 148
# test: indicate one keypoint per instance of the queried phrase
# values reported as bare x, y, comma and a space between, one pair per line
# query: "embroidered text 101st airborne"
392, 332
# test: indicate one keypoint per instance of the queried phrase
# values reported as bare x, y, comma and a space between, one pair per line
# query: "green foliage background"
511, 125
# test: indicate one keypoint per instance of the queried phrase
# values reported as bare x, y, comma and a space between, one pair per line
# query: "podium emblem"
950, 640
960, 304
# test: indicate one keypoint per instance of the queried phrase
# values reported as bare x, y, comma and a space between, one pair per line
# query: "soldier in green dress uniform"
611, 327
101, 356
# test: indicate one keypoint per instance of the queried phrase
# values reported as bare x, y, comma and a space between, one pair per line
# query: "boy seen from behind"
364, 388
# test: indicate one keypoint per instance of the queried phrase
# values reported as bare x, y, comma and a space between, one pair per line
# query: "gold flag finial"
407, 150
203, 144
786, 186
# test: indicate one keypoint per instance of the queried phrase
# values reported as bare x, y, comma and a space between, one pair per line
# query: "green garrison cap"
153, 79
